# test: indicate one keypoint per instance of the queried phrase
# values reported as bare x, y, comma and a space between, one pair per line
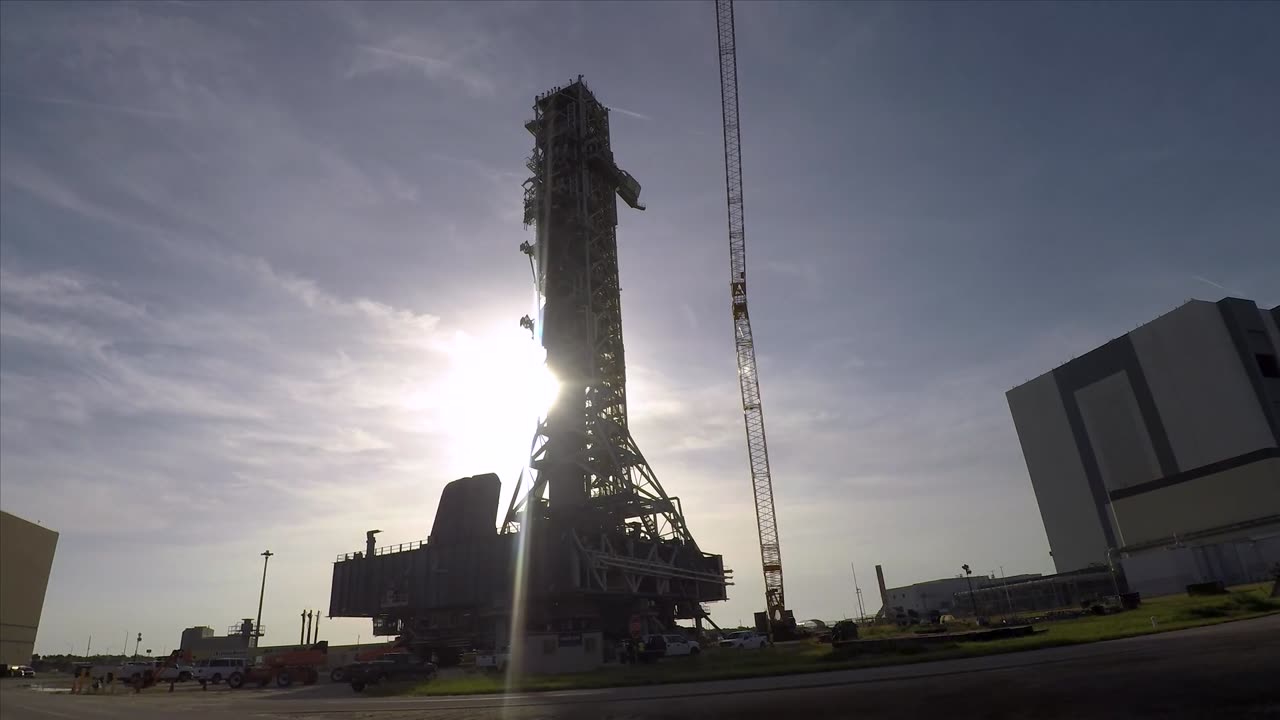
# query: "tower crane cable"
753, 413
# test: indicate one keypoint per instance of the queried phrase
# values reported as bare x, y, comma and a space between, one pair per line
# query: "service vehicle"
744, 640
679, 646
283, 668
388, 668
339, 672
215, 670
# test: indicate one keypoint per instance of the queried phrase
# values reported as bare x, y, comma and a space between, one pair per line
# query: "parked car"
394, 666
744, 640
215, 670
678, 645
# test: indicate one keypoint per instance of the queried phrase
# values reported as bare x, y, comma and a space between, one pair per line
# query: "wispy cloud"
373, 59
91, 105
1220, 286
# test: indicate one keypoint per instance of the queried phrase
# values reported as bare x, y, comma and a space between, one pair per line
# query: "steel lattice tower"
748, 379
586, 464
593, 543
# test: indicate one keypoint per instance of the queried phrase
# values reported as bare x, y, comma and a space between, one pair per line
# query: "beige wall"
26, 556
1206, 403
1232, 496
1057, 475
1117, 432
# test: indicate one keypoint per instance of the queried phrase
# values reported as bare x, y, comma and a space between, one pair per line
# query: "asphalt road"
1224, 671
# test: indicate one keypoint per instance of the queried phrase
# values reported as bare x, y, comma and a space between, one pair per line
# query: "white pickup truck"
137, 669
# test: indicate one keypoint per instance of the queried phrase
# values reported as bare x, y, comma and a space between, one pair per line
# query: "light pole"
1005, 582
973, 600
136, 644
257, 628
1115, 582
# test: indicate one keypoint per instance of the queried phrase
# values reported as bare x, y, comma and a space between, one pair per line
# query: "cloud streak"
371, 59
1224, 288
90, 105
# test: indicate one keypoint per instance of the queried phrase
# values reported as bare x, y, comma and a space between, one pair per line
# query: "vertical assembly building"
26, 557
1166, 438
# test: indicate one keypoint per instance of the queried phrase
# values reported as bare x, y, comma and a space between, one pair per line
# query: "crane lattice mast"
753, 413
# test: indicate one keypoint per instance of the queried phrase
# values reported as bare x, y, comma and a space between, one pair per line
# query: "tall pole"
136, 644
124, 649
1115, 582
257, 628
857, 591
86, 647
1005, 582
302, 631
973, 600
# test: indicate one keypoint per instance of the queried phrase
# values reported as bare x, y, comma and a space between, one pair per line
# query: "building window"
1267, 364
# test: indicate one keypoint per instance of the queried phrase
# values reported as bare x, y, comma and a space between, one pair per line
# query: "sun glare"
488, 402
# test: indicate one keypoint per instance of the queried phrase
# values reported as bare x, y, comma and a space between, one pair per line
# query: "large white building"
1167, 437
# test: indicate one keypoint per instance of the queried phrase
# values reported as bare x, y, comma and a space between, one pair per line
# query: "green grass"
1174, 612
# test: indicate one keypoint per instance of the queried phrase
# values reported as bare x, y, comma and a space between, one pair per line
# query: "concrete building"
926, 597
199, 643
939, 596
26, 557
1039, 592
1166, 436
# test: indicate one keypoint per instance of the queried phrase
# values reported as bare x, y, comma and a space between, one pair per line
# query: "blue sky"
260, 280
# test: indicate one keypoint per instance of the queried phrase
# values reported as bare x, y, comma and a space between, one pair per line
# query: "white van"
215, 670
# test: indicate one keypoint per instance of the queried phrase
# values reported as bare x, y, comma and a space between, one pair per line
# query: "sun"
488, 400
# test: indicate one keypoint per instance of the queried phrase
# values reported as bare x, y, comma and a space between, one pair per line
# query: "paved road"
1225, 671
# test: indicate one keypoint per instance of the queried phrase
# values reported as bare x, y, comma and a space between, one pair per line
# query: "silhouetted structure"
602, 547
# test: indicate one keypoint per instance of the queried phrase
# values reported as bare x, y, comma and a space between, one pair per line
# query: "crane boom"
753, 413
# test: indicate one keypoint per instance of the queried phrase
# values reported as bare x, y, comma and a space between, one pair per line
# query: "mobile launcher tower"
591, 542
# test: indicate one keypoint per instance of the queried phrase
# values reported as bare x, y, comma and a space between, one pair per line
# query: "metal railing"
384, 550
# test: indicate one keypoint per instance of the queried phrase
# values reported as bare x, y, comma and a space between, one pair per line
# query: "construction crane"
777, 619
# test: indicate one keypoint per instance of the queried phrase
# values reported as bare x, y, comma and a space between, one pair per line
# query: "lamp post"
257, 632
1005, 582
973, 600
1115, 581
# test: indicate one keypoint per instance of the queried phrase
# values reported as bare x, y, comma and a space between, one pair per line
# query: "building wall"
26, 557
1169, 570
1206, 402
1217, 500
1173, 428
1057, 474
551, 653
928, 596
203, 648
1117, 432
